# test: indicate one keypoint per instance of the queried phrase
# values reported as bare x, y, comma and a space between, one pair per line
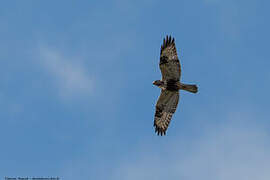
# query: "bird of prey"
170, 85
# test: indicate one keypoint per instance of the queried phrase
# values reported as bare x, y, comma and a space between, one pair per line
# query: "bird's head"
158, 83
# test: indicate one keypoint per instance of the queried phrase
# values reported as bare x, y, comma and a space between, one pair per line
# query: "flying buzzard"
170, 85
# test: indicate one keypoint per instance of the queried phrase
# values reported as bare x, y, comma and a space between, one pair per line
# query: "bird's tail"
189, 87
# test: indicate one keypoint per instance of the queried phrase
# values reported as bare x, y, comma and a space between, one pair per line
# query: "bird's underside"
170, 85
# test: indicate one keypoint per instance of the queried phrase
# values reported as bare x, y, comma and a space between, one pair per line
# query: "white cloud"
70, 76
236, 148
232, 151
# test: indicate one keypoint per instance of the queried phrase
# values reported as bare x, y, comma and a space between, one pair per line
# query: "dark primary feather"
166, 42
169, 63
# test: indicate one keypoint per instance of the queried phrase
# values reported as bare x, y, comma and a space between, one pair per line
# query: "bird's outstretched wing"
165, 107
169, 63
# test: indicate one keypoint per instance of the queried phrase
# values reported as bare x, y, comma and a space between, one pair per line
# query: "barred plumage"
170, 84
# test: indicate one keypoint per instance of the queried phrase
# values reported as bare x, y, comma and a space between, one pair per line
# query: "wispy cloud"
70, 76
232, 151
238, 148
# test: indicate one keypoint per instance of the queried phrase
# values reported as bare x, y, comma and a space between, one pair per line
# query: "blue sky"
77, 99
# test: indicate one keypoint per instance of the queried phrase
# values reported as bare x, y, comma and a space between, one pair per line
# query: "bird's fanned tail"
189, 87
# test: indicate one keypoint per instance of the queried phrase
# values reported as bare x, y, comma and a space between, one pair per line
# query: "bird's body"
170, 85
176, 86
